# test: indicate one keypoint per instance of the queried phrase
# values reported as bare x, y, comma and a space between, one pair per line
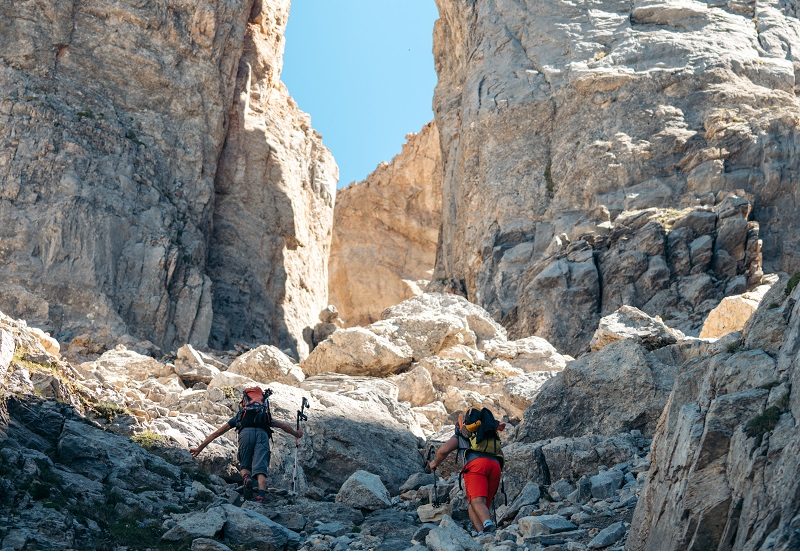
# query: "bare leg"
245, 474
262, 481
478, 508
477, 523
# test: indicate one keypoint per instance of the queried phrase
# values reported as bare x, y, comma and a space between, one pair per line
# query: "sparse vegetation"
734, 347
108, 410
229, 392
131, 136
764, 422
85, 114
148, 439
793, 281
548, 179
600, 55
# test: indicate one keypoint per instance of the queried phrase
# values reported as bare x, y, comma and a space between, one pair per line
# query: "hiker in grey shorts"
254, 423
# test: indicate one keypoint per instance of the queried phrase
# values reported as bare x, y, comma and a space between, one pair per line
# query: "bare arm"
286, 427
441, 454
218, 432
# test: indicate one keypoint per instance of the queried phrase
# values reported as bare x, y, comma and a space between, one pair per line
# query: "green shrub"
148, 439
764, 422
793, 281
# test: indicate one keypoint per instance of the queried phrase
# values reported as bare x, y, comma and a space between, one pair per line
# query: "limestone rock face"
117, 217
726, 452
273, 205
385, 232
556, 119
616, 389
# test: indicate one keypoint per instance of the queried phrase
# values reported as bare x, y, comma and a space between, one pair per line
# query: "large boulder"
732, 313
194, 367
449, 536
248, 529
121, 363
628, 322
620, 388
358, 352
267, 364
472, 317
364, 490
532, 354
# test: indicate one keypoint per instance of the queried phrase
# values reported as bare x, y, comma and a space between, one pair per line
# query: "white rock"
732, 313
533, 354
358, 352
629, 322
364, 490
266, 364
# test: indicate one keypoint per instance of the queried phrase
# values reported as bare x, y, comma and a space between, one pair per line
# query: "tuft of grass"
229, 392
793, 281
108, 410
734, 347
85, 114
148, 439
764, 422
131, 136
548, 179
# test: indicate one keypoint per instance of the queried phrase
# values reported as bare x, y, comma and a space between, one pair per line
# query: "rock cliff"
123, 133
726, 449
557, 118
385, 232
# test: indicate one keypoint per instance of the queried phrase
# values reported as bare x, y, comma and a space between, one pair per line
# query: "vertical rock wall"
273, 209
385, 232
726, 452
113, 117
556, 117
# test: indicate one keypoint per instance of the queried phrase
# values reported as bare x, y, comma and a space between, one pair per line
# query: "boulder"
248, 529
426, 333
532, 354
628, 322
266, 364
529, 495
207, 544
531, 526
620, 388
364, 490
415, 386
725, 453
472, 317
429, 513
358, 352
192, 367
449, 536
732, 313
606, 484
196, 525
608, 536
123, 364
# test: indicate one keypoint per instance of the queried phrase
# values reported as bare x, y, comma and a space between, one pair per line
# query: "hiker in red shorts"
481, 454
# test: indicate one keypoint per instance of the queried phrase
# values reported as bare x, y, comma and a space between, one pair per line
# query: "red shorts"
482, 478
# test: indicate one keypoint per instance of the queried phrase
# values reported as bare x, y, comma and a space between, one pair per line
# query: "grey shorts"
254, 450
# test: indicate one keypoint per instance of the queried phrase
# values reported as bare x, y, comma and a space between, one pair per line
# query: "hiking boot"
489, 527
260, 497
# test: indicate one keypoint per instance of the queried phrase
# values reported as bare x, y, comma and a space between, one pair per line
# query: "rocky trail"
95, 453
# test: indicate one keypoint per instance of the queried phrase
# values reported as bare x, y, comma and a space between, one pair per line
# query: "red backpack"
254, 412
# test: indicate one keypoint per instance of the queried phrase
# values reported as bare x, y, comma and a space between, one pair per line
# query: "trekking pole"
301, 417
435, 500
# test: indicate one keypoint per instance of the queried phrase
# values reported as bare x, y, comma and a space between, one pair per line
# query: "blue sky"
364, 71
